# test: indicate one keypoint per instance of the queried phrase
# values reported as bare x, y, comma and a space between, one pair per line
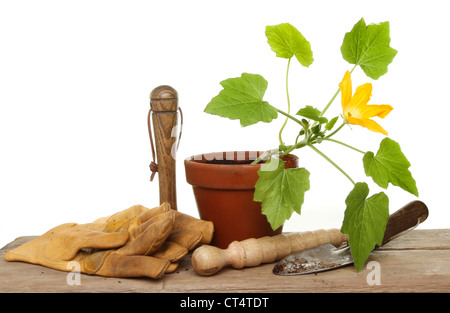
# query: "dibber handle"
164, 109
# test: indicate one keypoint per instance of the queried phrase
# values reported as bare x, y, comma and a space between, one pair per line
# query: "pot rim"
235, 155
200, 173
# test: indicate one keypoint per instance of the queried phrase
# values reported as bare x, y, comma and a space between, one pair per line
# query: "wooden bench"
418, 261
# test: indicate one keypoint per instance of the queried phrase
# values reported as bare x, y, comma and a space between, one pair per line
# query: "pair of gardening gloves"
136, 242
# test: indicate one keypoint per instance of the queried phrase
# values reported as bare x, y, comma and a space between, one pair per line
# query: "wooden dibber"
208, 260
164, 106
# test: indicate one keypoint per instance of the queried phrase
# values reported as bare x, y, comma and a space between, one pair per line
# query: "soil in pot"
224, 185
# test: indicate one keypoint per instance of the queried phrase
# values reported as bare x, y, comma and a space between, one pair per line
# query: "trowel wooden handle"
208, 260
405, 218
164, 106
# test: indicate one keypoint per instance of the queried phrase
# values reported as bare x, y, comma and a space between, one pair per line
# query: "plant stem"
288, 101
291, 117
330, 102
334, 97
344, 144
337, 129
299, 145
331, 162
263, 155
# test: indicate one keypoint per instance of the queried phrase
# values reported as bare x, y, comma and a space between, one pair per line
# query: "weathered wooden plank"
415, 262
400, 271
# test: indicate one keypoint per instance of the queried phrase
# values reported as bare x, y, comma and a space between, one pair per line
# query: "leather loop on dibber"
163, 116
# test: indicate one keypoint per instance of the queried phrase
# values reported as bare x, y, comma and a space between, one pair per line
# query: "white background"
75, 79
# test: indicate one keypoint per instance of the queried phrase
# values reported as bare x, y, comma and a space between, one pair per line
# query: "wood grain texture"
164, 105
163, 124
415, 262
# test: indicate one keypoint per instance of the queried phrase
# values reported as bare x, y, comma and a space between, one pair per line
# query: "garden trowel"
327, 257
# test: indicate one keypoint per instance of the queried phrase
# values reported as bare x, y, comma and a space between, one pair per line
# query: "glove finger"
186, 238
170, 251
123, 215
136, 231
150, 240
133, 217
185, 221
116, 265
150, 213
171, 268
66, 246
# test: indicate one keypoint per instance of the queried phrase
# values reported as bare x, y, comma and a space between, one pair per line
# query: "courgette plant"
281, 191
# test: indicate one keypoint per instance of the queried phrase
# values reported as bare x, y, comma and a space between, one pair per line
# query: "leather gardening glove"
115, 246
186, 234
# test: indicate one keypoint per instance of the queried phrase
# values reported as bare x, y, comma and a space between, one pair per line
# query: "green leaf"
242, 98
390, 166
368, 47
364, 222
280, 190
312, 113
331, 123
286, 41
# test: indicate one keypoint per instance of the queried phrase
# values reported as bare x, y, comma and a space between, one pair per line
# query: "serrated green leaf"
331, 123
242, 98
390, 166
368, 47
312, 113
364, 221
280, 190
286, 41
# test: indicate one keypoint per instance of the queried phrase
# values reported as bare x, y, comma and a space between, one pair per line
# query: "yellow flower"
356, 110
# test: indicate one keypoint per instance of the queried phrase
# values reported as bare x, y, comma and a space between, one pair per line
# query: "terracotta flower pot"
224, 185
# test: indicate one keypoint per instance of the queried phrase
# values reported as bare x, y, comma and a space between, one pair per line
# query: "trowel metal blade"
318, 259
